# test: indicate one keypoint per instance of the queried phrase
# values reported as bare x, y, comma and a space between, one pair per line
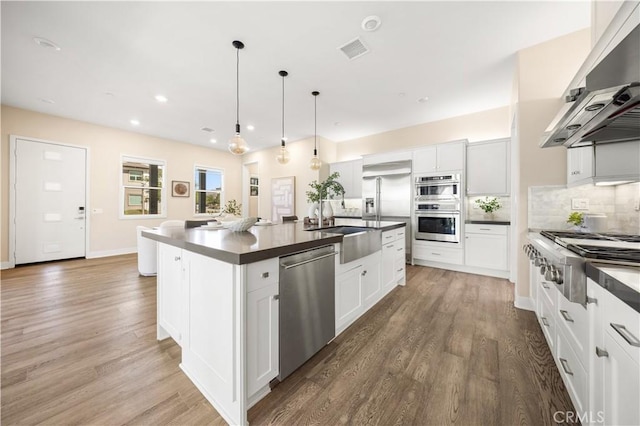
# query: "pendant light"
237, 145
283, 155
315, 161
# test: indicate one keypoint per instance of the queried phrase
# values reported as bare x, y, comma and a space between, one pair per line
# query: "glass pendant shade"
237, 145
283, 154
315, 162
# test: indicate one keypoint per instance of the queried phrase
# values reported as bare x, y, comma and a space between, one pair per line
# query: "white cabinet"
393, 259
579, 165
358, 288
350, 177
617, 161
439, 158
170, 283
488, 168
437, 252
486, 246
621, 385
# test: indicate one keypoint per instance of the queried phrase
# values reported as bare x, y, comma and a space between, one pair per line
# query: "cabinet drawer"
388, 236
547, 323
573, 321
485, 229
399, 270
623, 324
548, 290
261, 274
400, 233
573, 373
438, 254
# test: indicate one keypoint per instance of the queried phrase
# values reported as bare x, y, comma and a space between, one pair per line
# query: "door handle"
566, 316
544, 321
565, 366
601, 353
626, 335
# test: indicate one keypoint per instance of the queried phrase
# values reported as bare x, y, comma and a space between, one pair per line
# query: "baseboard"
463, 268
107, 253
522, 302
7, 265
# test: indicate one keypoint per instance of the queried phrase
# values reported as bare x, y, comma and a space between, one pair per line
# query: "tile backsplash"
549, 206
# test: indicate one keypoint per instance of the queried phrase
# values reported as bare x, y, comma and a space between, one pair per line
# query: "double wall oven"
437, 208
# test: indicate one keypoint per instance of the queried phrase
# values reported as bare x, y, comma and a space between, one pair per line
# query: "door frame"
13, 140
246, 176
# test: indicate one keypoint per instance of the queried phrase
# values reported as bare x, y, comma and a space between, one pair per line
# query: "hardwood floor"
79, 347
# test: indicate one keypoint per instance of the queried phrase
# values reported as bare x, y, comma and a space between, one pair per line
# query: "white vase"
327, 210
313, 210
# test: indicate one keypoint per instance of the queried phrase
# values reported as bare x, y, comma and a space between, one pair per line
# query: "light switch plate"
580, 204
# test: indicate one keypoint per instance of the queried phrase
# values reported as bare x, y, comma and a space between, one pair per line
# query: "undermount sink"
357, 242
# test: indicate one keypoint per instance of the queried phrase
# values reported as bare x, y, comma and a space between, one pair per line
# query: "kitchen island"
218, 299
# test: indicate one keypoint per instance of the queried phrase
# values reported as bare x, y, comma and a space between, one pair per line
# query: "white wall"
108, 233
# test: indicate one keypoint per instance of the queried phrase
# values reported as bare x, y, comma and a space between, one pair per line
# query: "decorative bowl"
241, 224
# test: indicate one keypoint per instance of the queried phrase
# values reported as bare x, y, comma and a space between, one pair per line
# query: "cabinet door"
450, 156
388, 265
262, 337
424, 160
486, 251
170, 282
348, 297
371, 283
579, 164
356, 183
621, 387
487, 168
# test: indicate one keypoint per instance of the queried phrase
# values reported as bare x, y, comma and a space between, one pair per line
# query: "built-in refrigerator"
386, 195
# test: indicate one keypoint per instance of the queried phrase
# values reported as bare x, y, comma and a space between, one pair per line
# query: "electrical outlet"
580, 204
636, 207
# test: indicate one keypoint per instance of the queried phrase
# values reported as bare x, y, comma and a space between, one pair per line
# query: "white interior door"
50, 219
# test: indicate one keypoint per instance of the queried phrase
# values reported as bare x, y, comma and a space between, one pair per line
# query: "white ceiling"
116, 56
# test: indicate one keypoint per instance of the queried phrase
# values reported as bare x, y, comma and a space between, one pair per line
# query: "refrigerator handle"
378, 207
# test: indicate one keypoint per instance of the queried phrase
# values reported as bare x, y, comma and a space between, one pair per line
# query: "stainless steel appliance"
307, 306
357, 242
386, 195
438, 221
561, 257
440, 187
608, 108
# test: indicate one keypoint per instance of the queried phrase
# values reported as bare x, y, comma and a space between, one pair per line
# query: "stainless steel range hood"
608, 109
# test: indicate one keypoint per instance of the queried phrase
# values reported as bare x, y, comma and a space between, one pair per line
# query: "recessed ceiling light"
134, 122
371, 23
213, 140
423, 99
250, 127
43, 42
162, 99
47, 101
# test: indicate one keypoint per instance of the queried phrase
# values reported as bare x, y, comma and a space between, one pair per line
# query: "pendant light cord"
315, 123
238, 86
283, 108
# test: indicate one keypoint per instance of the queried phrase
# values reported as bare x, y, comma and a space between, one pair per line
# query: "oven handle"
440, 183
439, 213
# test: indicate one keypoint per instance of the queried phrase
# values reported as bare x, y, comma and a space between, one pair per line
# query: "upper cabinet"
488, 168
579, 165
443, 157
350, 177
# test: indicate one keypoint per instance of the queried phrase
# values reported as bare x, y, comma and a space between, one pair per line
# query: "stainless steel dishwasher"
307, 306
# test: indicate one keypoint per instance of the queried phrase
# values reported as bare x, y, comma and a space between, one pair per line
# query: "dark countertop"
260, 242
621, 281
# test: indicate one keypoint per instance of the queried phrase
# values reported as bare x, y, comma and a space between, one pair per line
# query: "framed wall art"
179, 188
283, 197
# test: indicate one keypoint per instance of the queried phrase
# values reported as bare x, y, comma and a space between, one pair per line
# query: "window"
208, 190
142, 189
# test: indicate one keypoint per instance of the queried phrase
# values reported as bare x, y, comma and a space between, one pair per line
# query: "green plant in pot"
489, 205
232, 208
576, 219
322, 191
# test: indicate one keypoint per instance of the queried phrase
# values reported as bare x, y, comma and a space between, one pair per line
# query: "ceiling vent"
354, 49
207, 129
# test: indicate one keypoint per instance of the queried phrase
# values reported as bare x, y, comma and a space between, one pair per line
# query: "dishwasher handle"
313, 259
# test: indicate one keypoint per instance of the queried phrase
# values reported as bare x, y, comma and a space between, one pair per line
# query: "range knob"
543, 268
551, 273
538, 261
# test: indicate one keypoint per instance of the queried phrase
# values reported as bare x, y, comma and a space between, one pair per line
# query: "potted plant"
232, 208
576, 219
322, 191
489, 206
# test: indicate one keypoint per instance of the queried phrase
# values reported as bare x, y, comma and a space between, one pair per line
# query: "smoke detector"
354, 49
371, 23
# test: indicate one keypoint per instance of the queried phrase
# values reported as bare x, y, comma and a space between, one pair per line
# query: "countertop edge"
617, 288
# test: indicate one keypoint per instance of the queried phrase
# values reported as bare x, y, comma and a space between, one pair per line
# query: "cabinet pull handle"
485, 229
276, 297
565, 366
265, 275
544, 286
176, 258
364, 273
388, 236
400, 249
592, 300
544, 321
389, 246
566, 316
626, 335
436, 254
400, 270
601, 353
